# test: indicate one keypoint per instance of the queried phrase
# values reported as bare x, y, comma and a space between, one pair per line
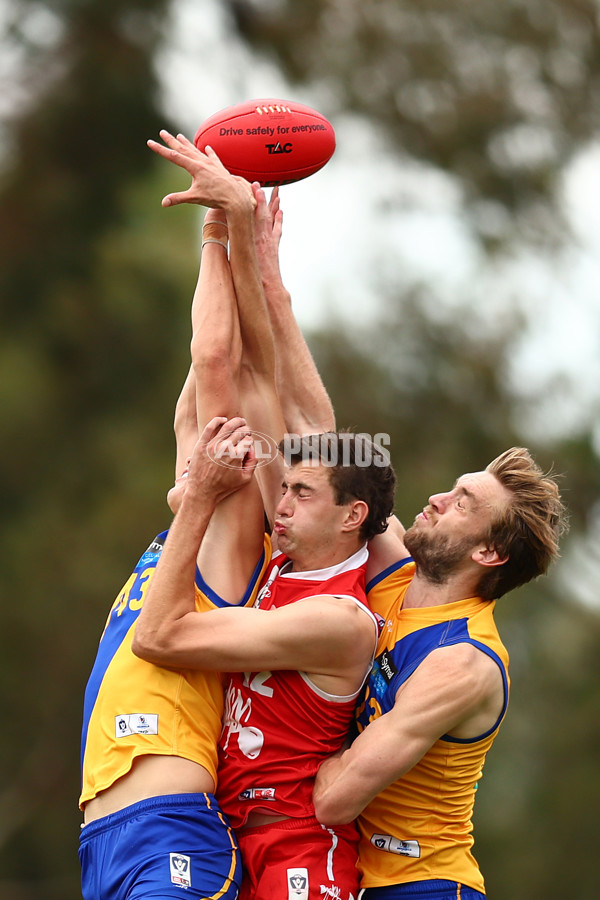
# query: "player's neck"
422, 592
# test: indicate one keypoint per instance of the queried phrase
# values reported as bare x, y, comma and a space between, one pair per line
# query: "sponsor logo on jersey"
136, 723
156, 546
331, 892
386, 666
395, 845
257, 794
297, 884
381, 674
181, 872
149, 555
265, 590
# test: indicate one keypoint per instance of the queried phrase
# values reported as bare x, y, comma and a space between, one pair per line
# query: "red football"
270, 141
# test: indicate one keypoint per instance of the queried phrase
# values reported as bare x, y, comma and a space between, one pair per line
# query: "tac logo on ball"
270, 141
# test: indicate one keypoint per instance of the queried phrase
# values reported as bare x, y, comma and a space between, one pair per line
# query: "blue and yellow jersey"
132, 707
420, 827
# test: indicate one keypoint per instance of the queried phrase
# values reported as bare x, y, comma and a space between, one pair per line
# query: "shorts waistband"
410, 889
293, 823
151, 804
432, 886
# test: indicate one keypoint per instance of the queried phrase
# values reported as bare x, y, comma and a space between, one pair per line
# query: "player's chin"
282, 542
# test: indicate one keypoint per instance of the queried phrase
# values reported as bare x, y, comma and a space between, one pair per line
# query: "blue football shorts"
422, 890
157, 847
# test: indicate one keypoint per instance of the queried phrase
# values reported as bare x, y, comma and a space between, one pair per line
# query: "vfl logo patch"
380, 622
181, 872
136, 723
297, 884
395, 845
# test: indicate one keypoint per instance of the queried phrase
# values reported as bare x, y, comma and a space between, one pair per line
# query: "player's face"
308, 523
445, 534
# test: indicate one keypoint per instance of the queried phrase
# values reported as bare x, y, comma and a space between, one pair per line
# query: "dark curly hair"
360, 470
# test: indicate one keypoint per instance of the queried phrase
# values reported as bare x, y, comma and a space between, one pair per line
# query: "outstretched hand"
223, 460
212, 185
268, 223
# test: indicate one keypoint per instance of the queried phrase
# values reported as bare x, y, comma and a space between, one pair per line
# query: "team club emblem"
136, 723
395, 845
181, 872
297, 884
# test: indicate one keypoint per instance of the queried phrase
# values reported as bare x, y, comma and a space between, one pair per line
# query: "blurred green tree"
95, 281
500, 96
92, 353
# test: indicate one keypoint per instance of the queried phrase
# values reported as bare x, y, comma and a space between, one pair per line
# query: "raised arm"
236, 530
185, 424
306, 406
209, 482
171, 632
294, 637
258, 394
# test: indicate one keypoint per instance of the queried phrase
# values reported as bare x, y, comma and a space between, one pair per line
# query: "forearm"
307, 408
456, 690
306, 405
216, 342
381, 754
258, 394
255, 325
340, 794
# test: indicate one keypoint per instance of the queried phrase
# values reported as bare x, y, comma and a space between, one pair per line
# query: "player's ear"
487, 556
356, 513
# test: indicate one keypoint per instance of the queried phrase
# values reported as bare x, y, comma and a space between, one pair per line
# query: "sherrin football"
270, 141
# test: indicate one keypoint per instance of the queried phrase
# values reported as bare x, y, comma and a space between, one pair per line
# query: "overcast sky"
369, 218
341, 233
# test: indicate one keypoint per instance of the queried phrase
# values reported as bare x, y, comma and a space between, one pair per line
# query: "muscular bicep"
233, 544
321, 635
185, 423
454, 690
457, 690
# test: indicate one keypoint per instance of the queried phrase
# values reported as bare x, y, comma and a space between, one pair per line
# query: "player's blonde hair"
529, 528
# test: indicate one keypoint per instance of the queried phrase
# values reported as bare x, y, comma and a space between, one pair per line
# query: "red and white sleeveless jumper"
278, 726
